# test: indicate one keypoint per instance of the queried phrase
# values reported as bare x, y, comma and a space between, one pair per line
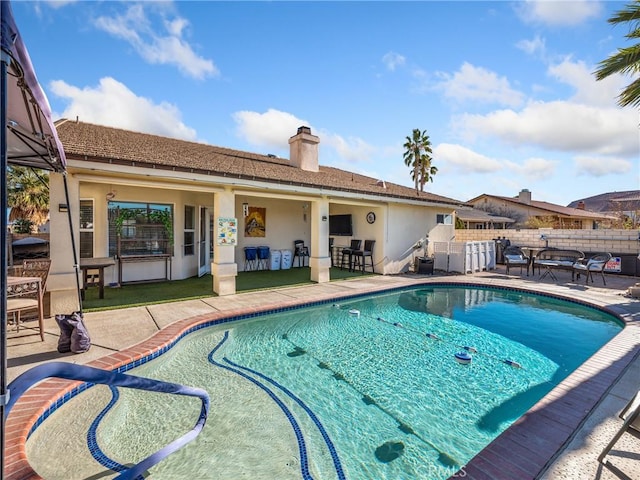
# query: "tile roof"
611, 201
550, 207
96, 143
477, 215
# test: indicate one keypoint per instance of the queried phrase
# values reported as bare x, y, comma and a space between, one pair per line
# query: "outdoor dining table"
98, 264
531, 253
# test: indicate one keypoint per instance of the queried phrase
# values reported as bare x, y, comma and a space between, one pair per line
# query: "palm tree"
418, 157
27, 195
626, 60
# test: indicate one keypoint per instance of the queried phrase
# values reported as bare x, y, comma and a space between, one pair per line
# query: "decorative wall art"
227, 231
255, 222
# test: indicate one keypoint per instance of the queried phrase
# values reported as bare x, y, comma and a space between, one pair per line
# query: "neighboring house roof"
550, 208
96, 143
610, 202
475, 215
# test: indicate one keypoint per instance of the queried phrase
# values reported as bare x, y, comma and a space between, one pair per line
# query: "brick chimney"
303, 150
580, 205
524, 196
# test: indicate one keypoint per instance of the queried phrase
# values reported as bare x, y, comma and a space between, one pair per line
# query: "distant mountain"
610, 202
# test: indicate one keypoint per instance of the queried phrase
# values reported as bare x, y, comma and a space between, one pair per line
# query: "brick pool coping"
524, 450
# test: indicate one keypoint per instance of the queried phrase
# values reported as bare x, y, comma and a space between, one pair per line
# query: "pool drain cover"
389, 451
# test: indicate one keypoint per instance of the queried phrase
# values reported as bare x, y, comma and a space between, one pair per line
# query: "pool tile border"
538, 435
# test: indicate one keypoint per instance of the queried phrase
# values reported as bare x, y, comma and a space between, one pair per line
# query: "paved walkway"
114, 331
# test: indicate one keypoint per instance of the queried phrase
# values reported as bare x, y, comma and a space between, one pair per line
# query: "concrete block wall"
620, 242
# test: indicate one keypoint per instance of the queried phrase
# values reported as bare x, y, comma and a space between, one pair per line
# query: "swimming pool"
326, 393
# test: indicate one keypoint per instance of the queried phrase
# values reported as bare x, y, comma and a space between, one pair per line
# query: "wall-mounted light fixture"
245, 209
324, 218
63, 207
546, 240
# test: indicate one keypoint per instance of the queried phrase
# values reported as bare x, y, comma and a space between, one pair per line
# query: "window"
140, 228
189, 230
86, 228
444, 218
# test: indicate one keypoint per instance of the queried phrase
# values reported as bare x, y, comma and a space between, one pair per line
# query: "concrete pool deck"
560, 437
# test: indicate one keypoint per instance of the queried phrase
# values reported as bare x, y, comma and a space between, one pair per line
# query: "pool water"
365, 388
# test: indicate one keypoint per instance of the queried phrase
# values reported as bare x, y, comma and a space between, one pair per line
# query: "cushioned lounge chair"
514, 256
596, 263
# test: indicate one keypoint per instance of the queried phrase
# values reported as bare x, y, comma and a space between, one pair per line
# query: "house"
623, 206
174, 209
477, 219
532, 213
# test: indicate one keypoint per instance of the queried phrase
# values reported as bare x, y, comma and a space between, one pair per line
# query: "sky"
505, 90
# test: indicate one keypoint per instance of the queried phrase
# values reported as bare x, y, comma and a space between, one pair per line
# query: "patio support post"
61, 284
320, 260
224, 268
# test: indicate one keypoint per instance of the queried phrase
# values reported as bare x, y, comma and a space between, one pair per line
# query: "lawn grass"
191, 288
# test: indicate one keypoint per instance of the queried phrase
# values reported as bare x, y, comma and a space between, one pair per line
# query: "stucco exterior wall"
404, 227
182, 266
286, 221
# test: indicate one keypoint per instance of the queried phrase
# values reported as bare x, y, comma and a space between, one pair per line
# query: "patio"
200, 287
619, 362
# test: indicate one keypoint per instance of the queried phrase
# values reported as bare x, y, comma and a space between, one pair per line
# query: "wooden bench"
556, 259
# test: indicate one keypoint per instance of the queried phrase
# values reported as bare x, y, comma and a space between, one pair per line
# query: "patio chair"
596, 263
27, 296
348, 253
300, 251
514, 256
631, 424
360, 256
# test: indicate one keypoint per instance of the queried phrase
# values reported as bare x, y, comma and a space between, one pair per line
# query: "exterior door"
204, 242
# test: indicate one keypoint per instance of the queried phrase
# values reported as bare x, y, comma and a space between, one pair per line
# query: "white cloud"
532, 47
589, 121
273, 129
270, 129
458, 158
112, 104
352, 149
168, 48
393, 60
533, 168
588, 90
559, 125
478, 84
60, 3
601, 166
558, 13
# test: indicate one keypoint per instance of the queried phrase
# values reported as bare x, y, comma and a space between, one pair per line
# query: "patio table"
531, 253
98, 264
